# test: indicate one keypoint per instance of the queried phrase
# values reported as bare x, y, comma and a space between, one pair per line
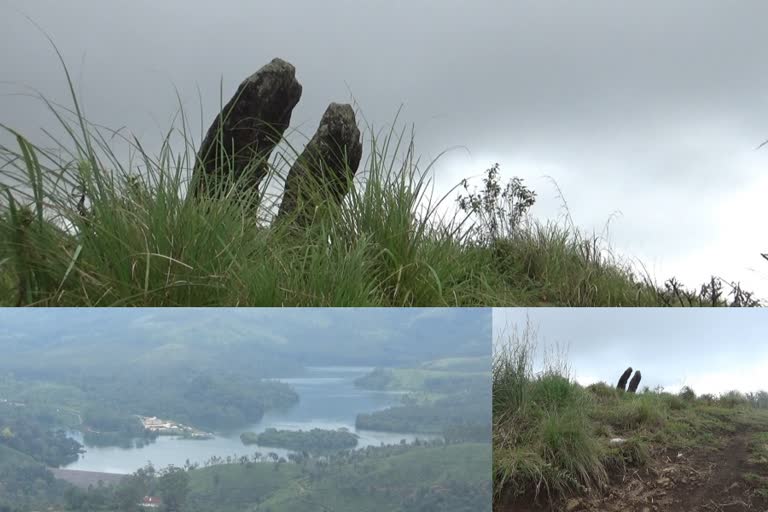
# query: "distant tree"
173, 486
75, 499
686, 393
129, 493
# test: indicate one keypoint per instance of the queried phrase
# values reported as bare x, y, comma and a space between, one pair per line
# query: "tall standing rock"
634, 382
327, 164
622, 385
249, 127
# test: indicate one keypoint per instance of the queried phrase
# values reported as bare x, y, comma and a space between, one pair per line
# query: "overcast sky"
652, 110
712, 351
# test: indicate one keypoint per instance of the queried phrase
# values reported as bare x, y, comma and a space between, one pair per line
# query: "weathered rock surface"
330, 159
241, 139
622, 385
634, 382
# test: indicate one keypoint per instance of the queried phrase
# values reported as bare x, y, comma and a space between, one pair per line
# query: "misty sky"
712, 351
652, 110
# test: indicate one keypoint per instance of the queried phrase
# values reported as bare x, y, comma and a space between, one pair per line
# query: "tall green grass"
542, 437
81, 226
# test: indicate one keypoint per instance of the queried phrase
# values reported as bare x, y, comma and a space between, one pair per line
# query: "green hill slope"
425, 478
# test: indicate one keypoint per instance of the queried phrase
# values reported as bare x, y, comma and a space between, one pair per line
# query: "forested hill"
265, 343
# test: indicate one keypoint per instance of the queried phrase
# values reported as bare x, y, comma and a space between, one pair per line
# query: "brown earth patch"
696, 480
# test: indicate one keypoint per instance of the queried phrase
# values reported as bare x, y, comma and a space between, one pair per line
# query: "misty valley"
193, 425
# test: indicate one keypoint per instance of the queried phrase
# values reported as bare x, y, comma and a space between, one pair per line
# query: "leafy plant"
499, 210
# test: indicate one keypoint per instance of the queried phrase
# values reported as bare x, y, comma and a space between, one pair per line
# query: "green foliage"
105, 426
632, 452
687, 394
758, 448
758, 399
173, 486
313, 441
378, 379
498, 212
104, 407
464, 410
567, 443
732, 399
429, 477
553, 392
542, 437
447, 396
25, 484
36, 436
430, 379
634, 412
604, 392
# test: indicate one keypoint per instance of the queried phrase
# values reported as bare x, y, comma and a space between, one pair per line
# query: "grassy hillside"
445, 396
558, 445
395, 479
233, 487
25, 484
432, 378
417, 379
10, 458
80, 226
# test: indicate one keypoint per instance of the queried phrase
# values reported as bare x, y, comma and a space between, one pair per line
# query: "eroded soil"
700, 480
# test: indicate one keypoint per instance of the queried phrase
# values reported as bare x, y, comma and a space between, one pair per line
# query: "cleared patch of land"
84, 479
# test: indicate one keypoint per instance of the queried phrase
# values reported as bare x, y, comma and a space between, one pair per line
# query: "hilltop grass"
758, 448
81, 227
552, 437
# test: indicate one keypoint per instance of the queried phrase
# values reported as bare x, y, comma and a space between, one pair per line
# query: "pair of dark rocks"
237, 146
622, 385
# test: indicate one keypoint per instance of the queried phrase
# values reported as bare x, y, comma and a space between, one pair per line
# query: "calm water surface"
327, 399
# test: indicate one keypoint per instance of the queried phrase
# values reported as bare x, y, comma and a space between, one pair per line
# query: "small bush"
604, 393
732, 399
553, 392
568, 443
634, 412
632, 452
647, 413
687, 394
676, 403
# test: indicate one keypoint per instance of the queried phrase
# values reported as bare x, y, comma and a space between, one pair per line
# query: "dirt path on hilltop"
700, 480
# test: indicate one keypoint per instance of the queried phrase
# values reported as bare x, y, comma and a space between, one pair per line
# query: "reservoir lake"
328, 399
